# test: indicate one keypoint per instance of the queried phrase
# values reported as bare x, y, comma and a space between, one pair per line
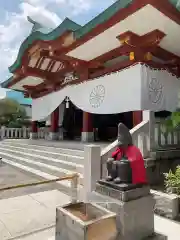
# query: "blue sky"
14, 27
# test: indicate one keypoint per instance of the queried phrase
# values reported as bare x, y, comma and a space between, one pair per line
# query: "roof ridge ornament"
178, 4
36, 26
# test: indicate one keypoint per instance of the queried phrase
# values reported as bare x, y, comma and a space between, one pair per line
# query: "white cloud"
40, 14
77, 6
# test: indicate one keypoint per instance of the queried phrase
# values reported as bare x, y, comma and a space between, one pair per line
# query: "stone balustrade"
165, 138
162, 137
15, 133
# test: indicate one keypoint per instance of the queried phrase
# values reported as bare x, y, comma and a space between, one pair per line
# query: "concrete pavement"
26, 214
32, 217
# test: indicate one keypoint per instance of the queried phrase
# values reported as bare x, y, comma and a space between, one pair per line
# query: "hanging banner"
110, 94
42, 107
133, 89
160, 90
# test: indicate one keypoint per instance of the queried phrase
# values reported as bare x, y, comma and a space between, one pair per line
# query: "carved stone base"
54, 136
33, 135
121, 186
134, 210
122, 192
87, 136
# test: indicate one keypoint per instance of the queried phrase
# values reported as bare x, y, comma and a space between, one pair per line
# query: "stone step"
35, 164
70, 145
72, 161
37, 145
64, 185
57, 171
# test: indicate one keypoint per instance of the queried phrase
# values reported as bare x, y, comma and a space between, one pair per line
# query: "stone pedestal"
87, 136
54, 136
33, 135
85, 221
134, 208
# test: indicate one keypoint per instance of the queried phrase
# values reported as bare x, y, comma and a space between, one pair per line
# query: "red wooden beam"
114, 68
147, 40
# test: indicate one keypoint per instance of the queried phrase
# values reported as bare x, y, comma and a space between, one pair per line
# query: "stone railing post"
8, 133
74, 189
150, 116
24, 134
3, 128
16, 133
92, 169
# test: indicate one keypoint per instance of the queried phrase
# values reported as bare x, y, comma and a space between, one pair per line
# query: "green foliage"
175, 118
12, 114
170, 123
172, 181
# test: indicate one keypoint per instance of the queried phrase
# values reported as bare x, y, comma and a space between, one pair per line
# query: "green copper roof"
176, 3
67, 24
6, 82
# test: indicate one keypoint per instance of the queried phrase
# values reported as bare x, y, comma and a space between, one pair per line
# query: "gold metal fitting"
131, 56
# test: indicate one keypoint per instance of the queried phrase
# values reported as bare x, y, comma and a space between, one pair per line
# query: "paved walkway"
30, 213
10, 176
32, 217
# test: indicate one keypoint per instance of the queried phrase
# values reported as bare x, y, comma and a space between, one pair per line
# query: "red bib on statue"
136, 160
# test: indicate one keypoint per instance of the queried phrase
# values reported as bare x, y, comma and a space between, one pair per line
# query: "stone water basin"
85, 221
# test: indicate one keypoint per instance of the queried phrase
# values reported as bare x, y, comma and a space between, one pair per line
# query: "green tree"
12, 114
170, 123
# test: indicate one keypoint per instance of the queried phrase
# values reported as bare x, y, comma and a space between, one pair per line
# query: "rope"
68, 177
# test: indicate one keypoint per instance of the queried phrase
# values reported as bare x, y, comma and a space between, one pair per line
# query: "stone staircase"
43, 159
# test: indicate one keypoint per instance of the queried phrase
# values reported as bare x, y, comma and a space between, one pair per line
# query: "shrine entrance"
106, 125
72, 122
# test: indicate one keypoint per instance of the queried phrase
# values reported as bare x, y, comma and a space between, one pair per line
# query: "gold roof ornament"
51, 52
131, 56
125, 40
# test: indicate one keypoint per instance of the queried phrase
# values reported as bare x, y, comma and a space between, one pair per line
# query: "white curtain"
110, 94
132, 89
42, 107
159, 90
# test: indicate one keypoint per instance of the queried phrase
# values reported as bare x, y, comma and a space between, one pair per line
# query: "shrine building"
84, 80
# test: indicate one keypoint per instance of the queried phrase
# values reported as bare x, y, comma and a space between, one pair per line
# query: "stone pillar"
3, 132
134, 210
137, 117
91, 172
54, 128
34, 130
150, 117
87, 134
